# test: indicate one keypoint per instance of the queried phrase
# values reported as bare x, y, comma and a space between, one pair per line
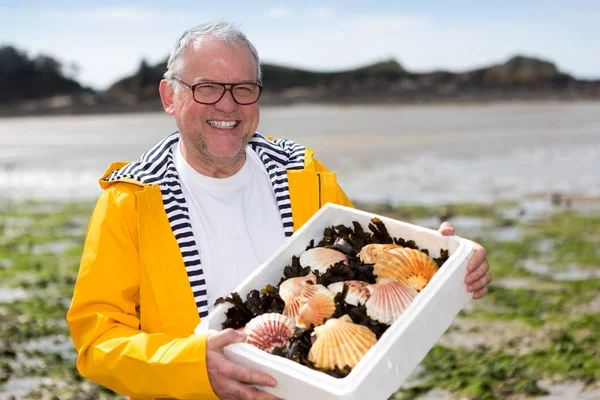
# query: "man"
187, 222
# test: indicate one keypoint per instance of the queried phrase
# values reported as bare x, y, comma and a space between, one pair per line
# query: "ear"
166, 96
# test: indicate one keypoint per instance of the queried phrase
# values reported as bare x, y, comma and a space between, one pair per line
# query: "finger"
260, 395
250, 376
477, 258
476, 274
237, 390
217, 341
446, 229
480, 284
480, 293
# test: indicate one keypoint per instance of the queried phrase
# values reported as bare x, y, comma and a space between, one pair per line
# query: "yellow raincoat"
133, 313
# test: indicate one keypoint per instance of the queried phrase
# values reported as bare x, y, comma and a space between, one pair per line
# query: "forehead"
214, 59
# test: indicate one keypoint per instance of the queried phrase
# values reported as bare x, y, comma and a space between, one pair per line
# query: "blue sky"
109, 38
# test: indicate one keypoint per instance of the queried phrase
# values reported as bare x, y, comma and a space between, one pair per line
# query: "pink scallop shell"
270, 330
389, 298
286, 288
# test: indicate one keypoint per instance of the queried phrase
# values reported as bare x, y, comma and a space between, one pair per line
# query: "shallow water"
8, 295
565, 273
407, 154
17, 387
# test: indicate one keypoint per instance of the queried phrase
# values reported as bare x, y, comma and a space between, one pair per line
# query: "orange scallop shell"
339, 343
389, 298
299, 295
411, 267
371, 252
316, 309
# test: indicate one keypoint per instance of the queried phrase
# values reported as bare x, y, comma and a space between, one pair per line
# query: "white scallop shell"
389, 298
321, 258
357, 291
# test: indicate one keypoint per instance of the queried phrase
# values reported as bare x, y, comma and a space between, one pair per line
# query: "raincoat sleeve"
104, 321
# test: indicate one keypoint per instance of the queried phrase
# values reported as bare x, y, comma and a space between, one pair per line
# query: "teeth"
222, 124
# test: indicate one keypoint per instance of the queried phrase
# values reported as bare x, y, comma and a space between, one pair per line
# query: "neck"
214, 167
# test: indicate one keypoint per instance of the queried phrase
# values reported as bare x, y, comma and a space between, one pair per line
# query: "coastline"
71, 105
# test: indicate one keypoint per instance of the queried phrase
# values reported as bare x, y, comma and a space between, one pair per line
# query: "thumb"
446, 228
216, 341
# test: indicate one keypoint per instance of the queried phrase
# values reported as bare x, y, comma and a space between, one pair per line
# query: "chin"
226, 153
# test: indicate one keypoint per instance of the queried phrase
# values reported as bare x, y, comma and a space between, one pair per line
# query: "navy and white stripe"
156, 166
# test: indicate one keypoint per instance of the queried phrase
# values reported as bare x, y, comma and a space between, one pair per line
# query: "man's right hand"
231, 381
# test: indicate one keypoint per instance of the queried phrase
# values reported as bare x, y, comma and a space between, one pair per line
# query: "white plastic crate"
399, 350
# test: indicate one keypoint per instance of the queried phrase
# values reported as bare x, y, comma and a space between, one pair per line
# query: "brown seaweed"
257, 303
344, 272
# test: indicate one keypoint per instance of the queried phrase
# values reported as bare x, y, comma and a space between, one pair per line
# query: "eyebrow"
201, 80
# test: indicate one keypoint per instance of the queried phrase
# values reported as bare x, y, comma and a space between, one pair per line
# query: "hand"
231, 381
478, 268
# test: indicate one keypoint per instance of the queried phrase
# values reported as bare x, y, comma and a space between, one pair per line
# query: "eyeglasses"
211, 92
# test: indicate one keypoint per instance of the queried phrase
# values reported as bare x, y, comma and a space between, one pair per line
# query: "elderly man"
187, 222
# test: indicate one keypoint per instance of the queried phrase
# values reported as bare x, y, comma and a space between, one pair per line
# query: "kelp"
348, 240
257, 303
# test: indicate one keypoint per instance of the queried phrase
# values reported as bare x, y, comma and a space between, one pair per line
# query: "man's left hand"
478, 268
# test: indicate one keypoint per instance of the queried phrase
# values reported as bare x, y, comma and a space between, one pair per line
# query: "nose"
227, 104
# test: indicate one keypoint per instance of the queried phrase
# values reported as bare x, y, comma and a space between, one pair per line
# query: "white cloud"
320, 13
279, 12
114, 14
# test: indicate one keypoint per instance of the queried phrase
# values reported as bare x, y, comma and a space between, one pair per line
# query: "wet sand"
405, 154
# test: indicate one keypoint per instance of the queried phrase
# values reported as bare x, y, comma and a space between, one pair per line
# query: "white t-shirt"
235, 221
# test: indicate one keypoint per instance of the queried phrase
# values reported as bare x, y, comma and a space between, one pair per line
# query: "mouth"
219, 124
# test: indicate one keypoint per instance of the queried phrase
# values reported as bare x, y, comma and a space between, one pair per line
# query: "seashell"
408, 266
316, 309
299, 295
286, 287
270, 330
357, 291
321, 258
389, 298
371, 252
339, 343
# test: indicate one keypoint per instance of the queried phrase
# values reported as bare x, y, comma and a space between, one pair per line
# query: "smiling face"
213, 137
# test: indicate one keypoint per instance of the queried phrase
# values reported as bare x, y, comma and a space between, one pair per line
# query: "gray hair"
223, 31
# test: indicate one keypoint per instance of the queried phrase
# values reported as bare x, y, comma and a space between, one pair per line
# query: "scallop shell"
357, 291
389, 298
270, 330
321, 258
408, 266
371, 252
286, 288
340, 343
299, 295
316, 309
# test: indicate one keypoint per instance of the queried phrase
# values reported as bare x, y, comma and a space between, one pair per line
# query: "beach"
519, 178
397, 154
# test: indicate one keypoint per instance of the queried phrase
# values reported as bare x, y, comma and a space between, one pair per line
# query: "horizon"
315, 36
